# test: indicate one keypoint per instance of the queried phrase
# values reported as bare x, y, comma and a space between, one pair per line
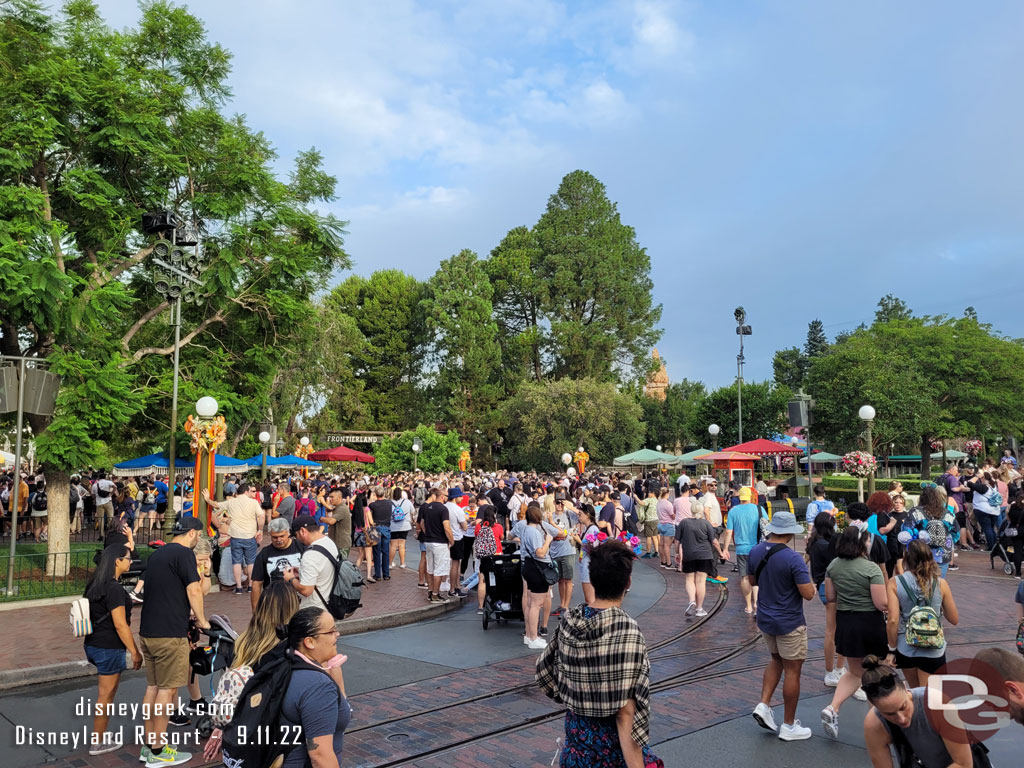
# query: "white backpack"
81, 618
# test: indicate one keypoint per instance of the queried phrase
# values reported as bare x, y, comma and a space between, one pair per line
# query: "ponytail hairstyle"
878, 679
305, 623
920, 561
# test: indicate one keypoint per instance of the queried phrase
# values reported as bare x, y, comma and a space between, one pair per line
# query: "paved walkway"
409, 686
36, 644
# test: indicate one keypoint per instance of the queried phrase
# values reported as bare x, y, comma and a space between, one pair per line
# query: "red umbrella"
341, 453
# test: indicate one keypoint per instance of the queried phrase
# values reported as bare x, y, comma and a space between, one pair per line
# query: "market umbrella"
822, 457
645, 457
695, 457
341, 453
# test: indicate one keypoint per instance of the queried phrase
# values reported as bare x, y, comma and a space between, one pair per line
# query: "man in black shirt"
284, 552
172, 588
499, 499
435, 526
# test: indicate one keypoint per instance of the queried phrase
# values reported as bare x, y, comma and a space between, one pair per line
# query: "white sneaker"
701, 612
689, 609
794, 732
764, 717
830, 722
526, 640
859, 695
103, 747
832, 678
537, 645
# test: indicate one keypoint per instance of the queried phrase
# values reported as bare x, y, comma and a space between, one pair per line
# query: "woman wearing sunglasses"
898, 718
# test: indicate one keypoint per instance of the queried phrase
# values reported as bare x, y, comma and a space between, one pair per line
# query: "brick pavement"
983, 597
40, 635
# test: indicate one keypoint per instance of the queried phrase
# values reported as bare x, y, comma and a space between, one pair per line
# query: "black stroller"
503, 582
1003, 546
216, 657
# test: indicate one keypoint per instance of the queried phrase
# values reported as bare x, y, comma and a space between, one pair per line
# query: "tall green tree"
892, 308
817, 342
518, 304
548, 419
764, 411
386, 308
597, 284
459, 317
674, 419
440, 451
789, 367
96, 128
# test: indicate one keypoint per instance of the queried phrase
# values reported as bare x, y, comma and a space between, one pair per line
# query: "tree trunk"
926, 458
58, 545
233, 450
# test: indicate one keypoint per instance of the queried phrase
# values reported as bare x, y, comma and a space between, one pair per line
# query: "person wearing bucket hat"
783, 583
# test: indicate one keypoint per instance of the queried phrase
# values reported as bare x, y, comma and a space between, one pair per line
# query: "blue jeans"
382, 553
988, 527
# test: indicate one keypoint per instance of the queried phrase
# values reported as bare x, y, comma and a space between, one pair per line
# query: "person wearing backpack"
38, 503
110, 613
300, 699
488, 534
401, 523
918, 598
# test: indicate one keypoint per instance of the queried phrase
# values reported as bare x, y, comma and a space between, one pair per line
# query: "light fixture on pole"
741, 330
713, 430
867, 415
177, 275
264, 441
417, 446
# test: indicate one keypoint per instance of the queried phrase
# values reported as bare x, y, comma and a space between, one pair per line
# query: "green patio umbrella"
645, 457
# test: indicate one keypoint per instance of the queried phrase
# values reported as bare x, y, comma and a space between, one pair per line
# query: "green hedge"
881, 483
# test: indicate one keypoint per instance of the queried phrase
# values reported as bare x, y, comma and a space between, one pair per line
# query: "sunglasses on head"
885, 685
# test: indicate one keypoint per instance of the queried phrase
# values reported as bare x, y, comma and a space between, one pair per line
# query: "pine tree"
817, 342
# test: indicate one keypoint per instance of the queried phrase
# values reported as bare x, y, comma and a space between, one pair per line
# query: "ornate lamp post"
208, 431
867, 415
713, 430
417, 446
264, 438
741, 330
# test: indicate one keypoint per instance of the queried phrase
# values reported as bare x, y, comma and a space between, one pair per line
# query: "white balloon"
570, 472
566, 458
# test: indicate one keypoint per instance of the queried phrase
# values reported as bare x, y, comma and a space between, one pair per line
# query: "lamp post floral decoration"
208, 432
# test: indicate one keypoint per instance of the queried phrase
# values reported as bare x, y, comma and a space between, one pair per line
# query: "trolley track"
720, 602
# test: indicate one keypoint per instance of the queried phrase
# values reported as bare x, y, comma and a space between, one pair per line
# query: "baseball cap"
186, 524
304, 521
744, 494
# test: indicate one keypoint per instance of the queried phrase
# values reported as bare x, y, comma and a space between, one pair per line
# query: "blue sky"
799, 158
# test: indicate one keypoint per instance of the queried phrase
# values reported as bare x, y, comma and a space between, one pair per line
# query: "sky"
800, 159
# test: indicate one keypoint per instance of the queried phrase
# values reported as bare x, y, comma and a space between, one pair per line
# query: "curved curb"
77, 670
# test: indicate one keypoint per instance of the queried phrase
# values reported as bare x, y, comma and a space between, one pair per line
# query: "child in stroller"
1009, 544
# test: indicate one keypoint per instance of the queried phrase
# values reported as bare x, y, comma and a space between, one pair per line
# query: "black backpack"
258, 710
39, 501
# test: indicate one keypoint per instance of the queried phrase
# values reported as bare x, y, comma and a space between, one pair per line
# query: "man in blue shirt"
820, 504
161, 497
784, 583
743, 524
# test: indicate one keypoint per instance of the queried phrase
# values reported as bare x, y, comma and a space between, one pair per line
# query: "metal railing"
48, 574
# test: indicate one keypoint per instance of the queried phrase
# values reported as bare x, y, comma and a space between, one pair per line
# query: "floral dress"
593, 742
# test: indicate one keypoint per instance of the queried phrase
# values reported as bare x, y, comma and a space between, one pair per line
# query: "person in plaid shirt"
596, 665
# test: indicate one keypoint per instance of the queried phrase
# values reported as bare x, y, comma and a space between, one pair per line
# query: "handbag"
547, 570
372, 536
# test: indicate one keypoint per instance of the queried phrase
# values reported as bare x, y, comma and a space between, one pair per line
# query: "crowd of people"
279, 543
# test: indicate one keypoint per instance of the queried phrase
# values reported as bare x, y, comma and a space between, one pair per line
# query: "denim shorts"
108, 661
244, 551
667, 529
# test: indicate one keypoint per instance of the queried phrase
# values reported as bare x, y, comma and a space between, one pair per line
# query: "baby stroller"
216, 657
503, 582
1001, 549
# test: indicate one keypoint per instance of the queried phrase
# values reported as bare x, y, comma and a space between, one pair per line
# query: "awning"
183, 465
822, 457
762, 448
728, 456
342, 453
694, 457
645, 457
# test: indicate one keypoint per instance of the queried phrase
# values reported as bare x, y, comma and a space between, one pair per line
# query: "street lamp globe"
264, 437
657, 448
566, 459
794, 440
580, 449
280, 444
206, 407
304, 441
866, 413
714, 429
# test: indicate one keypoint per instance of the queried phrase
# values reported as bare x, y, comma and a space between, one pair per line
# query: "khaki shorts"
166, 661
650, 528
791, 646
